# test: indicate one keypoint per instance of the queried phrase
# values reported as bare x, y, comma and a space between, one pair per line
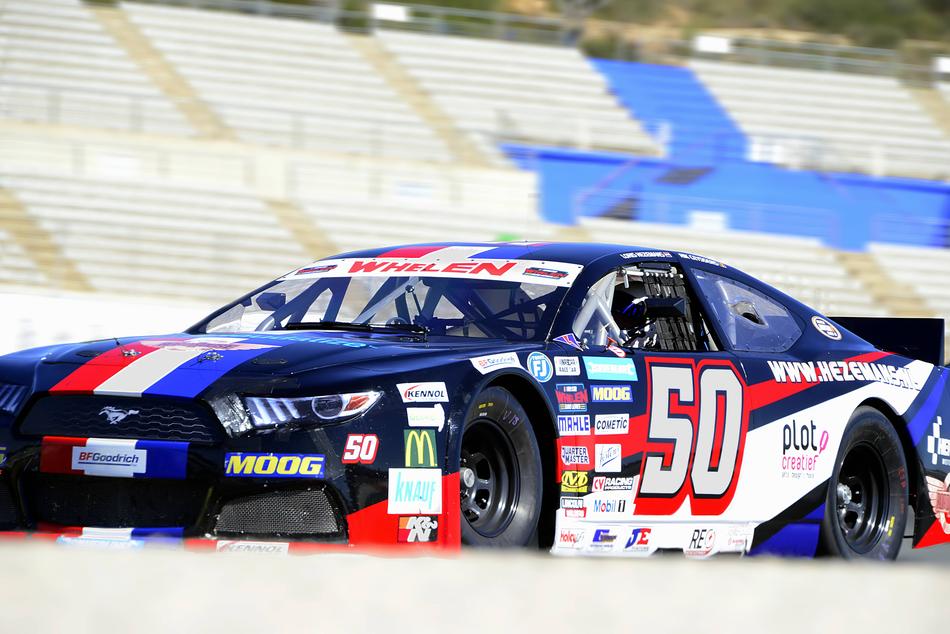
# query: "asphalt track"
47, 588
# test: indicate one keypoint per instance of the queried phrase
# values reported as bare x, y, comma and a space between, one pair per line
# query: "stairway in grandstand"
159, 241
829, 120
59, 65
287, 82
511, 91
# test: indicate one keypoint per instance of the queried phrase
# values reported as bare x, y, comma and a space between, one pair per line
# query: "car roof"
583, 253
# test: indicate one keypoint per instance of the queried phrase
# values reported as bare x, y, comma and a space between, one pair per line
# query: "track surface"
50, 588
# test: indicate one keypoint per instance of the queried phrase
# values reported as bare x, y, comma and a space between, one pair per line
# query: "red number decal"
360, 449
696, 435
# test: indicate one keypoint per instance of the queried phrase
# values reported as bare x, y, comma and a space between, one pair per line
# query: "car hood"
183, 365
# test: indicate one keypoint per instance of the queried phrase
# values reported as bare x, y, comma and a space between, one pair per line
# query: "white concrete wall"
50, 589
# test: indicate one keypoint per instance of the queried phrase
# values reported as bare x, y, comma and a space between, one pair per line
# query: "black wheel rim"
490, 486
863, 498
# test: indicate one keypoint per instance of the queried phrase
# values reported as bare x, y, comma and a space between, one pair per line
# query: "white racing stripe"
145, 372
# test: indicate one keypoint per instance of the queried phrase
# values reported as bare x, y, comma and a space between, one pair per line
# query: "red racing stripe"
410, 252
96, 371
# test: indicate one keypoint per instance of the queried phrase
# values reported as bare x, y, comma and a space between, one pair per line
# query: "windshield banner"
522, 271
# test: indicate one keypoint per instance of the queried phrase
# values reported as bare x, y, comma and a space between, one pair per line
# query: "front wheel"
866, 505
500, 473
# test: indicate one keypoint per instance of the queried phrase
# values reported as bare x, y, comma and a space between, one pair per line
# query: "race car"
581, 398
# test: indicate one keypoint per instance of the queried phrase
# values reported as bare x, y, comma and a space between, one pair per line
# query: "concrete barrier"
48, 588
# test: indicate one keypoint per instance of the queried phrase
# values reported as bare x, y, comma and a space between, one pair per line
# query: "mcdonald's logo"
420, 448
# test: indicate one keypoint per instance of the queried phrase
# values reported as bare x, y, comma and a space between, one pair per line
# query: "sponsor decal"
112, 458
938, 446
426, 416
611, 393
569, 339
574, 482
604, 539
415, 491
611, 424
605, 483
607, 506
801, 447
494, 362
451, 266
573, 425
840, 371
417, 529
551, 274
423, 392
265, 548
646, 254
420, 448
360, 449
701, 259
607, 368
826, 328
616, 350
940, 500
540, 367
701, 543
573, 507
571, 455
607, 458
567, 366
316, 268
204, 344
738, 539
571, 397
271, 465
570, 538
639, 540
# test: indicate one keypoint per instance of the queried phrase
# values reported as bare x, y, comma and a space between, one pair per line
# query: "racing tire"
866, 504
500, 475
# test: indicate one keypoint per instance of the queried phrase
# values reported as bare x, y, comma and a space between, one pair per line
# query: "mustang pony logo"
115, 415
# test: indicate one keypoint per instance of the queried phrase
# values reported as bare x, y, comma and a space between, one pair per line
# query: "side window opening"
751, 320
645, 306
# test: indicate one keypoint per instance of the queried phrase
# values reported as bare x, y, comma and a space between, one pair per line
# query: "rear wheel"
500, 473
866, 506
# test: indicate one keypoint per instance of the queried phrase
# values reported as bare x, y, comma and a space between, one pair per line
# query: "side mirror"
271, 301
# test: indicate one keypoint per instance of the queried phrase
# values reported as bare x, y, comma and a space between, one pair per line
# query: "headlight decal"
272, 413
11, 397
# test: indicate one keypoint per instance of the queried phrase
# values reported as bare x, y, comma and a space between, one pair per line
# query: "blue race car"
582, 398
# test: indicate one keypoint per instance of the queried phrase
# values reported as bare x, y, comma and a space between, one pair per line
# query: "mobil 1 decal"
697, 419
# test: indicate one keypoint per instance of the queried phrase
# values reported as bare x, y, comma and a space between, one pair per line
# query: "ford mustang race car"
582, 398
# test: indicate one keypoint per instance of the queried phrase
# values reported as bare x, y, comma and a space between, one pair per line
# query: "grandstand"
189, 154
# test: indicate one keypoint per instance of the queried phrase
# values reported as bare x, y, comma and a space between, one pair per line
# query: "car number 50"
694, 444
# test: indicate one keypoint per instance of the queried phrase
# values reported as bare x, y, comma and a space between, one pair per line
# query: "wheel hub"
490, 487
862, 502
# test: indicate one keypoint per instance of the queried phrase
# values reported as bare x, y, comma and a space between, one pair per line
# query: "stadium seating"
678, 110
287, 82
58, 65
360, 208
159, 241
512, 91
800, 267
921, 269
15, 266
829, 120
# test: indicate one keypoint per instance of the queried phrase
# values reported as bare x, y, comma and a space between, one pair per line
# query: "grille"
113, 502
8, 510
279, 513
154, 419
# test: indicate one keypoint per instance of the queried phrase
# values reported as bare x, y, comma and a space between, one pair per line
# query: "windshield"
512, 300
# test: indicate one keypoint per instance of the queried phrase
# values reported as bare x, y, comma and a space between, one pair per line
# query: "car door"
667, 405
